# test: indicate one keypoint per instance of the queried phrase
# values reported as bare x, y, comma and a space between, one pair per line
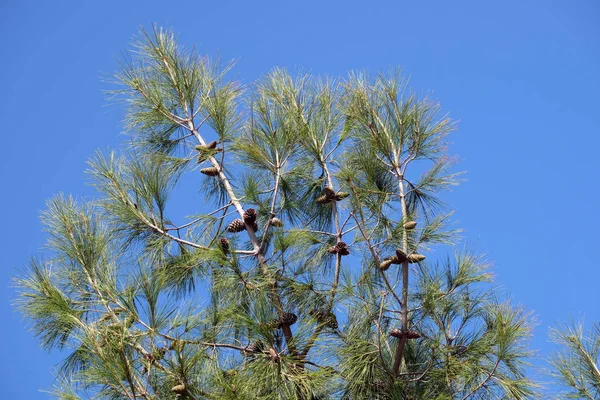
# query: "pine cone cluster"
237, 225
400, 257
340, 248
329, 195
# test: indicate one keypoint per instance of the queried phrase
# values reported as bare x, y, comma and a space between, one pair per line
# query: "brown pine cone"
415, 258
329, 192
410, 225
237, 225
397, 333
400, 257
385, 265
210, 171
224, 245
413, 334
250, 215
288, 319
342, 248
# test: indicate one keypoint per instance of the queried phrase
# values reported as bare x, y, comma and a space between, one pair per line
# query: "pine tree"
575, 363
315, 274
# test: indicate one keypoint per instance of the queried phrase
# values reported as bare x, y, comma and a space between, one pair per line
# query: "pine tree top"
311, 269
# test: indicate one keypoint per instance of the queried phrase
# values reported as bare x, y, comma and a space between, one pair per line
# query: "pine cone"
205, 147
415, 258
329, 192
250, 215
327, 196
322, 199
397, 333
341, 195
224, 244
413, 335
210, 171
288, 319
344, 252
342, 248
276, 222
410, 225
237, 225
400, 257
385, 265
179, 389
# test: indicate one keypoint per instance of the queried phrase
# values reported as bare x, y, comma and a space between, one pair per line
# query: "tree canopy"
322, 262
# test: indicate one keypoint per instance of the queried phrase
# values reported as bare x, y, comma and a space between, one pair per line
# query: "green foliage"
343, 175
575, 364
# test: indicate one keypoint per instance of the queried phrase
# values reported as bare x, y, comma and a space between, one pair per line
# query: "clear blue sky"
522, 77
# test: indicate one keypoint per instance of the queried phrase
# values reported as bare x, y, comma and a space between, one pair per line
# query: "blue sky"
521, 77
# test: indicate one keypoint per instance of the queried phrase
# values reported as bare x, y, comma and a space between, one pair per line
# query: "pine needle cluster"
575, 365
